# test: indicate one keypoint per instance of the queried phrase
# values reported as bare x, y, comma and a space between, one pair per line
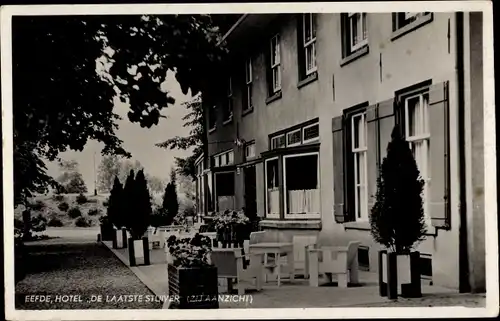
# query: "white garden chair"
334, 260
229, 263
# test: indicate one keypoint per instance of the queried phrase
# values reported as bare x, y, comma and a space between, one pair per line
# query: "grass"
83, 270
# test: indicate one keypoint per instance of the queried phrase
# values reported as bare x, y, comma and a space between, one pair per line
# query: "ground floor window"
301, 185
224, 191
272, 188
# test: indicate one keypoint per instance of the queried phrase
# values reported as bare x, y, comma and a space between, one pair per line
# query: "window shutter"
338, 169
439, 201
372, 152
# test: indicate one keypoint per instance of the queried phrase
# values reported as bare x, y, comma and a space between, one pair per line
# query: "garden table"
276, 248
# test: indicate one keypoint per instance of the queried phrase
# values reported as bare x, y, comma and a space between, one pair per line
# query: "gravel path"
79, 272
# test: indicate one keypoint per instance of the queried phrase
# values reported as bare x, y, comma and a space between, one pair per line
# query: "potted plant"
138, 221
397, 220
190, 274
230, 227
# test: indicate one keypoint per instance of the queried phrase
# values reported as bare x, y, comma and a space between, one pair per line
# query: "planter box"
120, 239
107, 232
138, 251
193, 288
399, 274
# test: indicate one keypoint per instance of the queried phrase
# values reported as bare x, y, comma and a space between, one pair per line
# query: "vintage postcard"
249, 161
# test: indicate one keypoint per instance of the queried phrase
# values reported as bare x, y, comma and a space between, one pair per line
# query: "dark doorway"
250, 192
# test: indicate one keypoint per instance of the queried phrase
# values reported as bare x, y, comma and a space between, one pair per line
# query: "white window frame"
222, 159
361, 149
275, 138
309, 43
267, 214
297, 216
293, 132
423, 136
276, 63
364, 40
248, 82
310, 140
247, 156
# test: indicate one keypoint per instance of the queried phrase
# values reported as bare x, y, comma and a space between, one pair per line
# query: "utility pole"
95, 179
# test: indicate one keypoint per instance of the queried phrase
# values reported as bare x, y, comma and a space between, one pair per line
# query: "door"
250, 191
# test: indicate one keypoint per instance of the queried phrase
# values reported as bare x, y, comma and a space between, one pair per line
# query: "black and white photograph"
258, 160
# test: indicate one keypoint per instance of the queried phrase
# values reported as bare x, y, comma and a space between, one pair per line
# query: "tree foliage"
170, 205
193, 120
109, 168
64, 95
140, 217
397, 218
127, 199
115, 210
70, 180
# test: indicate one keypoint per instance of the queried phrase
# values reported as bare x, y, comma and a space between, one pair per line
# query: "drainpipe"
463, 268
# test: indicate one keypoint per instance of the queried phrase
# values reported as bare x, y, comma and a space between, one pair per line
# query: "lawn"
84, 271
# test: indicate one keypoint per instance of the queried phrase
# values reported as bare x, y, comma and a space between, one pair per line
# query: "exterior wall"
427, 53
417, 56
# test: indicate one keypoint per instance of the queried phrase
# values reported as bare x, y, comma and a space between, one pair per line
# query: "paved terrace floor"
301, 295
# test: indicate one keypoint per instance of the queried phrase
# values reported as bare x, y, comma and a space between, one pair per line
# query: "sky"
140, 142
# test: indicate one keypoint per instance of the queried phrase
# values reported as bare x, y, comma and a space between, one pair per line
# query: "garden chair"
339, 260
268, 262
229, 263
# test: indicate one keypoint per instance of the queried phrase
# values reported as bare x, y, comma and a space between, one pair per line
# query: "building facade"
299, 119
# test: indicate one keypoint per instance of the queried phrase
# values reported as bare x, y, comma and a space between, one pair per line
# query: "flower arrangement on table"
189, 252
228, 225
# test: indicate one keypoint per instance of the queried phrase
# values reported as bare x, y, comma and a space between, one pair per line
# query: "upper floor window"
297, 136
275, 63
224, 159
228, 110
402, 19
250, 150
212, 117
247, 102
354, 32
359, 165
309, 42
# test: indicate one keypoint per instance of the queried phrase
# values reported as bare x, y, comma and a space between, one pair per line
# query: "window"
278, 142
228, 110
354, 32
211, 117
358, 149
272, 188
301, 186
294, 138
357, 30
311, 133
402, 19
417, 133
224, 159
297, 135
250, 151
275, 65
309, 42
247, 103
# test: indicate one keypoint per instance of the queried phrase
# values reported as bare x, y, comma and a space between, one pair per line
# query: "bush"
38, 223
37, 206
55, 222
59, 198
19, 224
82, 222
94, 211
81, 199
74, 212
63, 206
